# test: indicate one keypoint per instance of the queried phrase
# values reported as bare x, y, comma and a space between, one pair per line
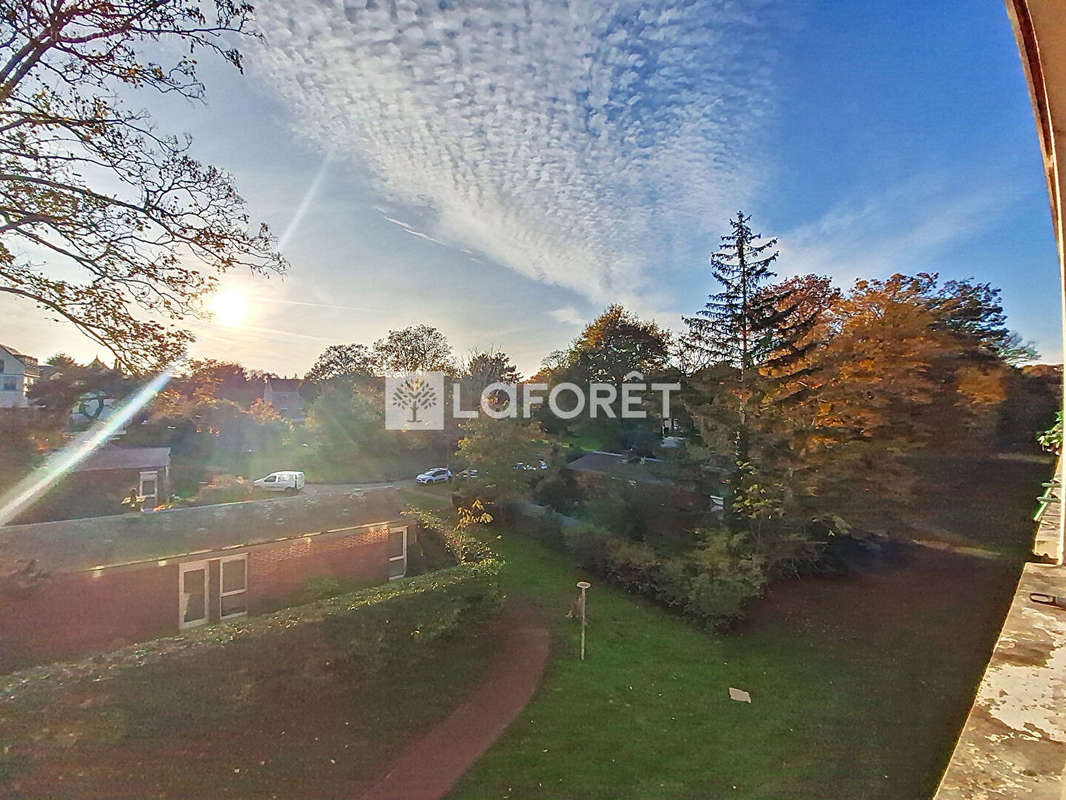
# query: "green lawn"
859, 686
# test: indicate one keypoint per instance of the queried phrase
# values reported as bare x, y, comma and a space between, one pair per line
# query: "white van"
287, 481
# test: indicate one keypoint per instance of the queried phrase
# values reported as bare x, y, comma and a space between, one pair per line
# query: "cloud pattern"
574, 141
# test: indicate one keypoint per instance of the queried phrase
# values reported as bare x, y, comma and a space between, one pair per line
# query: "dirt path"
429, 767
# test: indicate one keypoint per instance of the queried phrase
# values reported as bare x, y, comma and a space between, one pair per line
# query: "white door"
397, 553
149, 489
192, 594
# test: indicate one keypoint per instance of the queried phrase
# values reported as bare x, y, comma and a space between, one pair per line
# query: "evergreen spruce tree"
750, 341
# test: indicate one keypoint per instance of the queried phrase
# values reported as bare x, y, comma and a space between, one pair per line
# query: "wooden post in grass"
583, 586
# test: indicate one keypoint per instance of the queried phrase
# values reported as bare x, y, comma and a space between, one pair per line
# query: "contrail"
305, 203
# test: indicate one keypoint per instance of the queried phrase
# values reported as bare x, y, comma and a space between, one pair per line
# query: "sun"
230, 308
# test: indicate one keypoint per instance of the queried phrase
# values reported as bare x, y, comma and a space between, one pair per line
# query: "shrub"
710, 585
727, 576
463, 546
550, 530
559, 492
388, 625
625, 509
224, 489
589, 545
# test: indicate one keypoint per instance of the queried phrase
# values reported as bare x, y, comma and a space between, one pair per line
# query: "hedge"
710, 585
383, 627
463, 546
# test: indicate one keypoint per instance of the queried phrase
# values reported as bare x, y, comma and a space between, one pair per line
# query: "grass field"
859, 685
858, 688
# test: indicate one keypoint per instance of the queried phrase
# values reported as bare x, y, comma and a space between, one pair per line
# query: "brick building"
102, 583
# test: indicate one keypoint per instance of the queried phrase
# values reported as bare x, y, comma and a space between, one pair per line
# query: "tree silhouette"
414, 393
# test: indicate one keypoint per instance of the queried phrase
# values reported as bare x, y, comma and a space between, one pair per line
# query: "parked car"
435, 475
467, 474
539, 465
286, 481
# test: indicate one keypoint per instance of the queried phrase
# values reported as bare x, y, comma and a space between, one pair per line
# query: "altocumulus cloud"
577, 142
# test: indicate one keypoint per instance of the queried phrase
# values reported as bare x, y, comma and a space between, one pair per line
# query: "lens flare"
34, 485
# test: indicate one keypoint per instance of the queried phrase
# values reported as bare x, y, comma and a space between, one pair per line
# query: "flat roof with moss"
81, 544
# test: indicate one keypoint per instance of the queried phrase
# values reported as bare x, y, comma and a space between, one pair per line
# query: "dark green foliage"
624, 508
1051, 439
710, 585
747, 344
736, 325
389, 624
463, 546
974, 311
550, 530
559, 492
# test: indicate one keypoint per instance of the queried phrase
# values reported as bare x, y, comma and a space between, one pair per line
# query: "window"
1, 365
270, 479
397, 553
192, 594
233, 589
10, 385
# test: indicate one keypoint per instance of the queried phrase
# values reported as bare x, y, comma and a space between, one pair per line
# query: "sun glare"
230, 308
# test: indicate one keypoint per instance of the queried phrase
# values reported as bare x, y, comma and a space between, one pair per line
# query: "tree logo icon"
415, 393
413, 402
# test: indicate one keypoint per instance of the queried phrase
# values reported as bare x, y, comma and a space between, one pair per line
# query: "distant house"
284, 395
98, 485
110, 581
600, 464
595, 471
18, 372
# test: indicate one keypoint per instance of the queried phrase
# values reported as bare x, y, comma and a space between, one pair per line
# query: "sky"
505, 170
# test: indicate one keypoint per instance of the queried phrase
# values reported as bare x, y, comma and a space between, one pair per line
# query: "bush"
463, 546
550, 530
726, 577
710, 585
224, 489
388, 625
559, 492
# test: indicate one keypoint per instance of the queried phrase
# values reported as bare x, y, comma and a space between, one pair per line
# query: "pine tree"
750, 340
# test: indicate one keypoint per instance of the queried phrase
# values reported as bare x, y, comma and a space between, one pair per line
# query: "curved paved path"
429, 767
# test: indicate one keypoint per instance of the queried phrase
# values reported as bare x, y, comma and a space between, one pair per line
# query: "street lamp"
583, 586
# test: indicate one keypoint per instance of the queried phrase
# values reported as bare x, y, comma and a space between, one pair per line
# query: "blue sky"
505, 170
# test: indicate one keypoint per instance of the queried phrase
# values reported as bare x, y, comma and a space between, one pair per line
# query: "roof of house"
20, 356
80, 544
284, 384
597, 461
125, 458
621, 465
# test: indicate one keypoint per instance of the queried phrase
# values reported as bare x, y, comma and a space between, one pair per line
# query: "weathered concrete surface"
1014, 742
